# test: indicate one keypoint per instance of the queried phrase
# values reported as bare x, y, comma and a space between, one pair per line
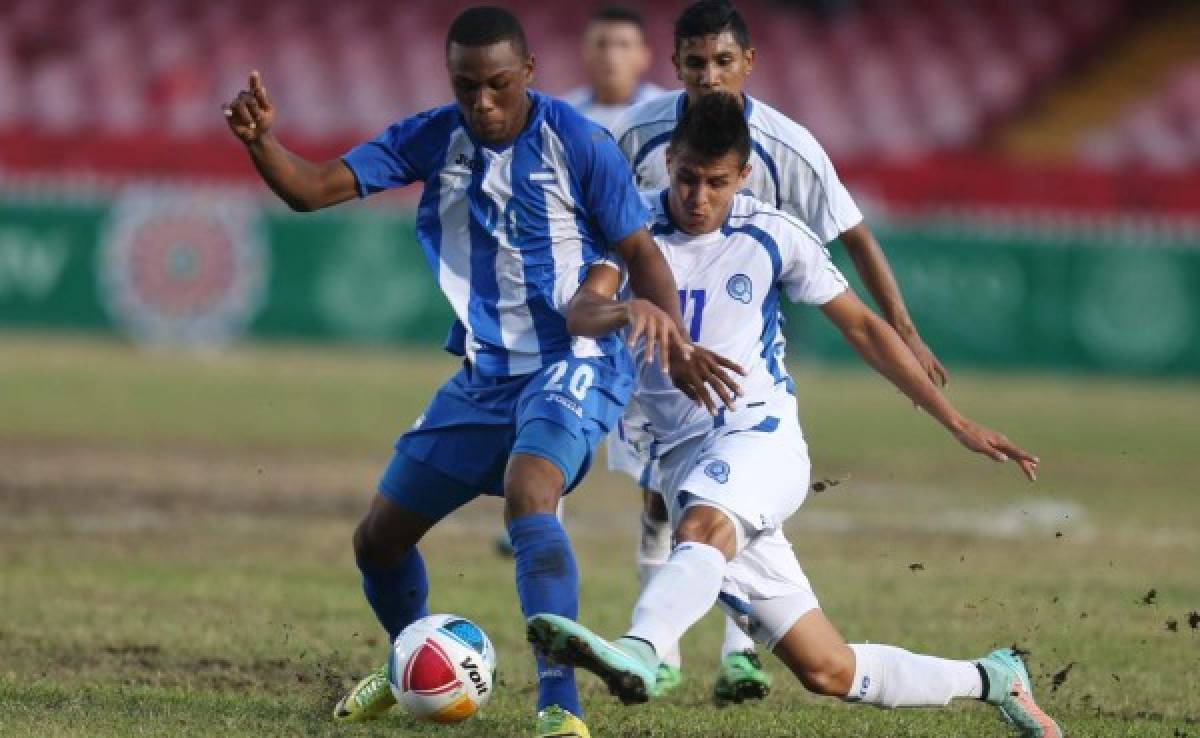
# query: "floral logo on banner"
182, 268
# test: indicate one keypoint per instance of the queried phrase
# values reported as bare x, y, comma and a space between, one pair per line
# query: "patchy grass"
174, 549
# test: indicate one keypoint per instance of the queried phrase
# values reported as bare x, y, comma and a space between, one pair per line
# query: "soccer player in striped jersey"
790, 171
616, 57
731, 481
521, 196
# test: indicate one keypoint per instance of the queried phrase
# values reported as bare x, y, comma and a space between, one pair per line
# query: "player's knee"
531, 485
828, 673
378, 544
710, 526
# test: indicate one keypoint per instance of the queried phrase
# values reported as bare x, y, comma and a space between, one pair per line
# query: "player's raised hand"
705, 371
663, 337
251, 113
994, 445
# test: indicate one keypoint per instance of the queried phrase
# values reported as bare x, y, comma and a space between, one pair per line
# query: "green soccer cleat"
740, 678
369, 699
555, 722
667, 679
1008, 688
628, 673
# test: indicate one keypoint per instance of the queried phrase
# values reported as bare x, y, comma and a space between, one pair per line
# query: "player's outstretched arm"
882, 348
302, 184
872, 266
594, 312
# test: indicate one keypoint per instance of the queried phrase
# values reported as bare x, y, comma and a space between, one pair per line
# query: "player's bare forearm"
302, 184
882, 347
879, 344
649, 276
872, 266
594, 311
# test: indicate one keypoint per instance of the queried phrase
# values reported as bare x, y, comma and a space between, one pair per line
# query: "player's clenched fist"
251, 113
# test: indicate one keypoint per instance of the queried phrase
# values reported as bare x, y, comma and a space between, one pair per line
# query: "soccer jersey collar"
537, 108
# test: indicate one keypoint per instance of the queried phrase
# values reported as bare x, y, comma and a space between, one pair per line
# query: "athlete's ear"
530, 68
675, 63
751, 55
744, 175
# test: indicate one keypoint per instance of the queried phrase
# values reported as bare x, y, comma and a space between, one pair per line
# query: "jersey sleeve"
394, 158
814, 193
808, 274
605, 184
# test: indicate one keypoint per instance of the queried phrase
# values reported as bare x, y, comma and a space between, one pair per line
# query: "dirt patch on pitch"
83, 481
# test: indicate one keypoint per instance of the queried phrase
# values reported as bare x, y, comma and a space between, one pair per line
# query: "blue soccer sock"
397, 594
547, 582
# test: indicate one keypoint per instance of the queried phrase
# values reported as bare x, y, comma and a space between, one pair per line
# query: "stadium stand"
888, 78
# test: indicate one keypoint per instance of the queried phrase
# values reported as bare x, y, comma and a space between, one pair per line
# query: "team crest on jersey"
740, 288
718, 470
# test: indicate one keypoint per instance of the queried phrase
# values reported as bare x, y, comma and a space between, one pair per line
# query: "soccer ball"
442, 668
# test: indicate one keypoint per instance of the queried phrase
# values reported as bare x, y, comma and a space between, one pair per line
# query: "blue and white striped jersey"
730, 284
584, 100
789, 169
509, 231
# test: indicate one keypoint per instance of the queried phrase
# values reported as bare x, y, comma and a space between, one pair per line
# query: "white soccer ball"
442, 669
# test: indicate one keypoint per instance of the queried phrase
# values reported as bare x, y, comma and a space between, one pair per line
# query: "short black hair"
619, 14
712, 127
708, 17
484, 25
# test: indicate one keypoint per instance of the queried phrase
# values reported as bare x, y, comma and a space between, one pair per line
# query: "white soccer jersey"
790, 170
730, 282
584, 100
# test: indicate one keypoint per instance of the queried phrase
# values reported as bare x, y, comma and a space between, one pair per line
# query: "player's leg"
413, 496
561, 417
791, 623
675, 599
654, 546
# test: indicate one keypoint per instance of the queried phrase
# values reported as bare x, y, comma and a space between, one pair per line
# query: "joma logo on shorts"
567, 403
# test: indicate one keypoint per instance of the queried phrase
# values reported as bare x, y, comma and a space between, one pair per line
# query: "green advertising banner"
200, 267
1047, 300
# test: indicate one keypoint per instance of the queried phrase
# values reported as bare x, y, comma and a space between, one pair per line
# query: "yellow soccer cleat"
555, 722
369, 699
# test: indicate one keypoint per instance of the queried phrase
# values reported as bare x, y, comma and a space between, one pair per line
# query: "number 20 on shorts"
579, 383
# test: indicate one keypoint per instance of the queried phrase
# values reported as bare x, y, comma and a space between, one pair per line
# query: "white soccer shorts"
759, 478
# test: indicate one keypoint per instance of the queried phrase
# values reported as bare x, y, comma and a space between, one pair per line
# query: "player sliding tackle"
713, 52
731, 481
521, 195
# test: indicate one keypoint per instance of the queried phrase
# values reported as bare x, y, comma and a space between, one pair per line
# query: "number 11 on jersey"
696, 299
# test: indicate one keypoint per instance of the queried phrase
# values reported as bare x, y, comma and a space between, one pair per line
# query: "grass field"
175, 549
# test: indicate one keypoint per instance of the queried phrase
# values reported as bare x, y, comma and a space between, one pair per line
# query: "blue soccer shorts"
460, 446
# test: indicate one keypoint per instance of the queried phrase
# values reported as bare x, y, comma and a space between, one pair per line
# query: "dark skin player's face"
713, 63
489, 84
702, 191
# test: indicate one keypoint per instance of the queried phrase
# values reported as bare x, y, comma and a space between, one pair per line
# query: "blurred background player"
731, 482
616, 58
533, 397
713, 53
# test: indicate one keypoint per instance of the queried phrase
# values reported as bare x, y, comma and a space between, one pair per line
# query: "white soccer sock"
892, 677
684, 589
653, 549
736, 640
